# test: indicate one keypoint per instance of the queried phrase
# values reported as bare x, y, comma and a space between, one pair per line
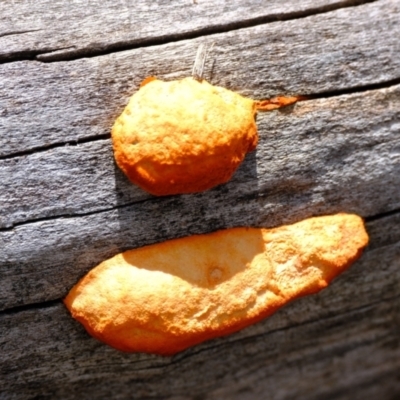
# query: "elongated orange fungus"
169, 296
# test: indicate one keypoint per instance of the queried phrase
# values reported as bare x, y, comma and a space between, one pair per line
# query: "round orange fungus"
183, 136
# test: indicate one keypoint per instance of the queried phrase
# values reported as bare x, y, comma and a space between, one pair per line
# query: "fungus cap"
169, 296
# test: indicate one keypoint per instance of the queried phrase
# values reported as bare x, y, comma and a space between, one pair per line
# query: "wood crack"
31, 306
382, 215
40, 149
19, 32
353, 90
127, 205
76, 215
55, 55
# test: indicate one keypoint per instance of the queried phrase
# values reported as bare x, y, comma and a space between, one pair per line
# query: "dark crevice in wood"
99, 211
54, 55
105, 136
53, 217
77, 215
19, 32
382, 215
352, 90
32, 306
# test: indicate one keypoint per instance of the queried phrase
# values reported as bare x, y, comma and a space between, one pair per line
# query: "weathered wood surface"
64, 206
48, 30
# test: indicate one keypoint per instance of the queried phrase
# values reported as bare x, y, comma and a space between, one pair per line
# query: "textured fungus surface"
183, 136
166, 297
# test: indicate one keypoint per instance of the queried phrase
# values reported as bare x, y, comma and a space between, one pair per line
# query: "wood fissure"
251, 197
33, 306
382, 215
96, 138
18, 32
75, 215
352, 90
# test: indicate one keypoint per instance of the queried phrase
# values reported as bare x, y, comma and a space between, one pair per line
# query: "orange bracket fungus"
166, 297
186, 136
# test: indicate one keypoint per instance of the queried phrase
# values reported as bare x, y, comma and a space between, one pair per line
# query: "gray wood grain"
45, 104
69, 29
350, 142
343, 340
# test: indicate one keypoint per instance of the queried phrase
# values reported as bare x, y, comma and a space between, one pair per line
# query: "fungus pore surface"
169, 296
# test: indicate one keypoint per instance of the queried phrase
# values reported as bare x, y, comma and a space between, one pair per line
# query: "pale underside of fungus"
166, 297
186, 136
